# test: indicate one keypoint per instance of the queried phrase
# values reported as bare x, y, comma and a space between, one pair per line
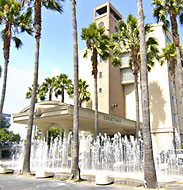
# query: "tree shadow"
157, 105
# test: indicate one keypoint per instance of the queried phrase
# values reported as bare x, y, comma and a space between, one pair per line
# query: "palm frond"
53, 5
18, 42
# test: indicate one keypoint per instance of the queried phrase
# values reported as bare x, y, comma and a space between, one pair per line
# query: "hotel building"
116, 94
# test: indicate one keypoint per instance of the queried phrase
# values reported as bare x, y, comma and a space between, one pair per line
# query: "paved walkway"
19, 182
15, 182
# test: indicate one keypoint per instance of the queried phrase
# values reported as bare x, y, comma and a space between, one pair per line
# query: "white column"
44, 127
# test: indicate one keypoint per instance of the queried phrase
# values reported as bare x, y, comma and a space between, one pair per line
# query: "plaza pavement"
20, 182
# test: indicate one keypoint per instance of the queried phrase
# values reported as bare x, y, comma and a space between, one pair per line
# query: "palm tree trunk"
37, 26
176, 110
95, 72
149, 166
80, 103
75, 154
180, 85
135, 74
137, 106
179, 64
50, 95
62, 94
96, 108
7, 42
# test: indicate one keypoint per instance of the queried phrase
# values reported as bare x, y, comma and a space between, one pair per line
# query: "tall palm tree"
75, 171
53, 5
48, 86
16, 20
62, 83
171, 9
40, 93
169, 55
84, 94
98, 43
149, 166
128, 41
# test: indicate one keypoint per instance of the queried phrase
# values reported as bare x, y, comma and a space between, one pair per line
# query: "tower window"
115, 15
168, 39
101, 24
172, 85
101, 11
175, 118
100, 75
100, 59
116, 29
173, 101
100, 90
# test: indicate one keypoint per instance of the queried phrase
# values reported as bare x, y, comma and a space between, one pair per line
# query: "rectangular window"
168, 39
126, 75
171, 83
100, 90
173, 101
175, 118
100, 75
100, 59
125, 59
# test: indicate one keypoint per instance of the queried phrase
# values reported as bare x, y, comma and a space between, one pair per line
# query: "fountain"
118, 156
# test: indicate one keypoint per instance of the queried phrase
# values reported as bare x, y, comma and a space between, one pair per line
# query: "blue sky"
56, 49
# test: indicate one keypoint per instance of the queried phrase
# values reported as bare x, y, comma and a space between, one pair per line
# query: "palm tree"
53, 5
48, 86
39, 94
75, 171
84, 95
172, 9
16, 20
149, 166
61, 84
169, 55
128, 41
98, 43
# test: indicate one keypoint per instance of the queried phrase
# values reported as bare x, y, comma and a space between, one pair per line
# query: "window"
175, 118
101, 11
116, 29
168, 39
125, 59
100, 75
173, 101
101, 24
126, 75
114, 14
100, 59
100, 90
171, 83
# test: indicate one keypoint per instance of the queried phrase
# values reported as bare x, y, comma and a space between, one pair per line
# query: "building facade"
116, 94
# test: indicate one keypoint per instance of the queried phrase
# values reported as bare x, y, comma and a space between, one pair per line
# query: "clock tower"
110, 89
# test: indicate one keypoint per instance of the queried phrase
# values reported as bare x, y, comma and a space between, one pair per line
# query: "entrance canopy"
60, 115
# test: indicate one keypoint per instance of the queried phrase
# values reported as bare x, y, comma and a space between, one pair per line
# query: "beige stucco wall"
159, 89
159, 96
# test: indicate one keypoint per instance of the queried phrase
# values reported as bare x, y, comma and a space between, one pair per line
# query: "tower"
110, 90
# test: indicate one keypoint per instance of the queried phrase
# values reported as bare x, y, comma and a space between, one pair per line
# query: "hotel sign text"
107, 118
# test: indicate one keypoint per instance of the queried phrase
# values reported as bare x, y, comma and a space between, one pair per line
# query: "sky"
56, 49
